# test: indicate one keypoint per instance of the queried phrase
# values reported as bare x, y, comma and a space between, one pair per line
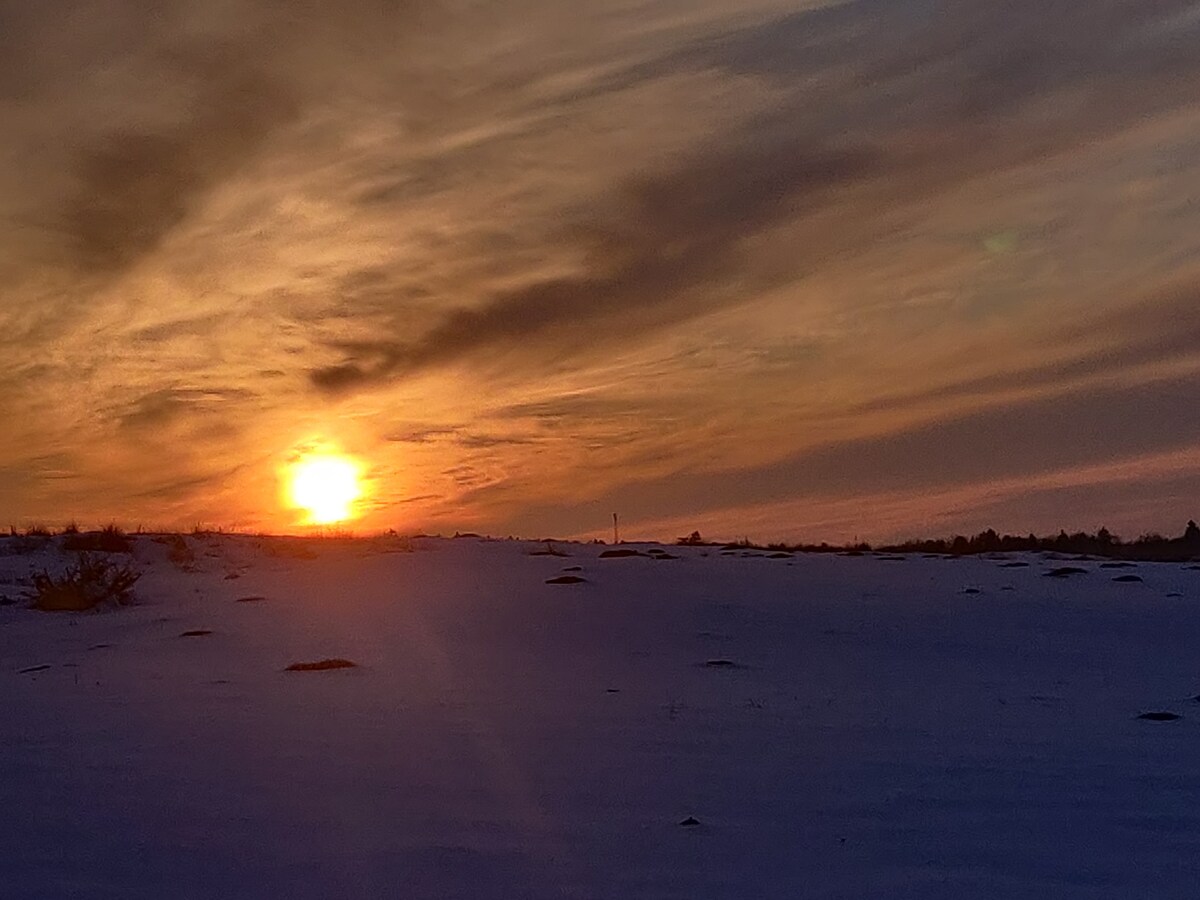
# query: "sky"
807, 270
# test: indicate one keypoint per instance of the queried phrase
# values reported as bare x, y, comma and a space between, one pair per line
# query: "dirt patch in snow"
323, 665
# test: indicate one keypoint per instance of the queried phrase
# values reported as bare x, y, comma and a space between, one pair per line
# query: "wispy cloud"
671, 240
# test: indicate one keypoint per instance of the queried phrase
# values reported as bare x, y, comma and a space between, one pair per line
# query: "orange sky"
793, 270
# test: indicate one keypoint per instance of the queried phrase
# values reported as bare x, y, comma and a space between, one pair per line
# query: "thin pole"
616, 533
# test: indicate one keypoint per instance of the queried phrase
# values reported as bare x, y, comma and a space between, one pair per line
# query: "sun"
326, 486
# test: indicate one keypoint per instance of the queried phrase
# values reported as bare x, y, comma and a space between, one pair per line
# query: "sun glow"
326, 486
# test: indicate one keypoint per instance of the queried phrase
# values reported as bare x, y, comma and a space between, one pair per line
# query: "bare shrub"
87, 584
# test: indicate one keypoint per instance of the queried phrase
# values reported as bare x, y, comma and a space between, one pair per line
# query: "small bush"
111, 540
85, 585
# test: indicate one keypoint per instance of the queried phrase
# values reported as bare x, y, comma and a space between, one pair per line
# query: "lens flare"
326, 486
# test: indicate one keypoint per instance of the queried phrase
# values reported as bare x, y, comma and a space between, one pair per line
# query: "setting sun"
326, 486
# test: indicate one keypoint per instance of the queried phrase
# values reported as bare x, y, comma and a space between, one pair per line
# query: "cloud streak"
670, 238
923, 98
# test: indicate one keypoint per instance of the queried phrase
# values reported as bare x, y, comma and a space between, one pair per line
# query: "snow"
882, 732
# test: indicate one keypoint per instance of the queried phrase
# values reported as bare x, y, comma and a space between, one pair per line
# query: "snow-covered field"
837, 726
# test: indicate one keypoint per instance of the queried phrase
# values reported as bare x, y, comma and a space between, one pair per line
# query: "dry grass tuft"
89, 583
110, 540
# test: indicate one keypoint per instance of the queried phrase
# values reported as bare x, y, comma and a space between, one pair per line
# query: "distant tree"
987, 541
1191, 534
692, 540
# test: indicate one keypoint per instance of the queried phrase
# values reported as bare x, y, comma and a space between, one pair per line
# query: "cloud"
188, 486
573, 409
667, 242
898, 104
1022, 438
943, 59
133, 187
159, 104
163, 407
459, 437
490, 441
420, 435
1150, 331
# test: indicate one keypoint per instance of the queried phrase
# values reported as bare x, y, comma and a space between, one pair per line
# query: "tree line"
1102, 543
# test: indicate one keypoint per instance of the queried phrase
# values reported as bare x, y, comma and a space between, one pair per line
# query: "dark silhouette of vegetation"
1103, 543
91, 582
695, 540
109, 540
